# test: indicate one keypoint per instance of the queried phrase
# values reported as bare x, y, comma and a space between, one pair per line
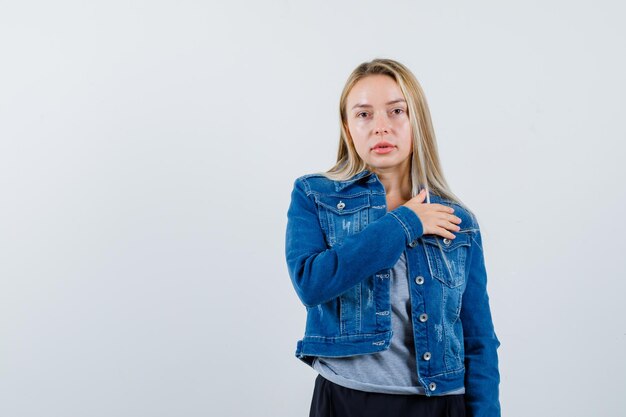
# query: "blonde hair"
425, 165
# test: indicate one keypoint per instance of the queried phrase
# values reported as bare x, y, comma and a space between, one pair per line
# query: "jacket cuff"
410, 222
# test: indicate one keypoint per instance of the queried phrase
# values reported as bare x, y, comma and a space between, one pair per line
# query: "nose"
381, 126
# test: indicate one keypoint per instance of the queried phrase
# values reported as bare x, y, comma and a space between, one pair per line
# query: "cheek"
405, 137
404, 124
361, 149
358, 138
405, 130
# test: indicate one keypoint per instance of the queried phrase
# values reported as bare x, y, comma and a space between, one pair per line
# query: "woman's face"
377, 111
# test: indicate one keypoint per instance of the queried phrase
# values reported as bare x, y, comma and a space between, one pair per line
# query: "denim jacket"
341, 244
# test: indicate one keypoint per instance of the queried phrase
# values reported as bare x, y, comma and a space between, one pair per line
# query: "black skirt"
332, 400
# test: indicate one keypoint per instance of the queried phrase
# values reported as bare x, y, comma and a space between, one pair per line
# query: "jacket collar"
340, 185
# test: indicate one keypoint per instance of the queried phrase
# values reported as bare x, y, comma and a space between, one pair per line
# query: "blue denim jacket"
341, 244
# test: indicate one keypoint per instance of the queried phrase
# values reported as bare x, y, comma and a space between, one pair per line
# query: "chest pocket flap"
344, 204
448, 245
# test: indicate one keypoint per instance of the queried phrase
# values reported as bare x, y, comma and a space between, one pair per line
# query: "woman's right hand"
436, 218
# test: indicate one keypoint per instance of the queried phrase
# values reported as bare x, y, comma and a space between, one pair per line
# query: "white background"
147, 155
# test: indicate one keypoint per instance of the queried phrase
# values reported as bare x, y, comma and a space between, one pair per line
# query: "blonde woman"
389, 265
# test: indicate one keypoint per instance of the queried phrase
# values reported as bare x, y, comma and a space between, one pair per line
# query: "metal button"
341, 205
432, 386
446, 241
413, 243
423, 317
426, 356
419, 280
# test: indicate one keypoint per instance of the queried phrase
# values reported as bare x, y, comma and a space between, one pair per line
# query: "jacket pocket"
342, 215
446, 257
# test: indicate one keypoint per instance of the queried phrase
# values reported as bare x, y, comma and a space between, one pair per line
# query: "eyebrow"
399, 100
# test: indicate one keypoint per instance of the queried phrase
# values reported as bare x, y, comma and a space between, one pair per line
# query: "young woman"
389, 265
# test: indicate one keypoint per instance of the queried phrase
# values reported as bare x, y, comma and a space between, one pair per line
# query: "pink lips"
383, 147
383, 150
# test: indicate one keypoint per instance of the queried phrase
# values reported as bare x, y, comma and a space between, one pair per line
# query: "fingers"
441, 207
454, 219
443, 232
436, 216
421, 195
446, 225
450, 218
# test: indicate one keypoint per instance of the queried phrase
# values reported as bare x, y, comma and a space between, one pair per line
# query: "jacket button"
419, 280
413, 243
423, 317
341, 205
446, 241
432, 386
426, 356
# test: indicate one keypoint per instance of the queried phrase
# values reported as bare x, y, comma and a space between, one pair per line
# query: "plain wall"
147, 155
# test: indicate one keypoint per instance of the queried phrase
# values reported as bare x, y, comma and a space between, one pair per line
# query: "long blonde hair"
425, 165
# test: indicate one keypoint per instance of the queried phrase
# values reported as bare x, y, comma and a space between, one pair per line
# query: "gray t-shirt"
392, 371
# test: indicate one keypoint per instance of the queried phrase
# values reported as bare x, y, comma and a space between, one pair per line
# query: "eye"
359, 114
398, 111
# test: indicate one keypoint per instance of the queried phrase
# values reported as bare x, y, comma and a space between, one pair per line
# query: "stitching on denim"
454, 371
307, 187
342, 322
477, 244
358, 306
343, 336
343, 195
403, 225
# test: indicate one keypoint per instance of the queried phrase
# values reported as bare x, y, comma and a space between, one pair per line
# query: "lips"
383, 147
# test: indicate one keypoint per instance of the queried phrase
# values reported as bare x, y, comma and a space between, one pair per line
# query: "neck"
396, 180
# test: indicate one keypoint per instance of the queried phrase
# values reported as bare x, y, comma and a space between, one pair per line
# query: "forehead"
374, 88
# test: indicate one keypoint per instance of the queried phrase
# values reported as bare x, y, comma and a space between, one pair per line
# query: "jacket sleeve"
319, 273
482, 377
